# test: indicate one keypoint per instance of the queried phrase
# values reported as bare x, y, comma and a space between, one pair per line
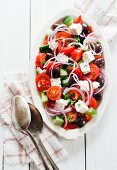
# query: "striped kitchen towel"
18, 148
103, 12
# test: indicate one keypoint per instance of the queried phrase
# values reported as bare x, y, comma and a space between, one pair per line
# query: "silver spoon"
35, 127
21, 117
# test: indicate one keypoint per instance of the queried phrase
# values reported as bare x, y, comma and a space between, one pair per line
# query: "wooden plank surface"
14, 49
14, 55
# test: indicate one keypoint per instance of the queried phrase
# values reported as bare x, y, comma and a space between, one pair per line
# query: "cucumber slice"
45, 49
92, 111
63, 72
65, 82
44, 97
57, 121
68, 20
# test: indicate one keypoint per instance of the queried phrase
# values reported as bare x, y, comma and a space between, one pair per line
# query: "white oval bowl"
75, 133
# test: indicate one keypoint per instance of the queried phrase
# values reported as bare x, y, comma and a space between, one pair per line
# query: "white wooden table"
20, 22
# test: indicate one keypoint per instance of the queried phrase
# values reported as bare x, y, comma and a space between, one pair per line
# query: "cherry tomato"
63, 35
78, 20
45, 42
70, 126
42, 81
66, 50
94, 73
74, 95
90, 29
54, 93
93, 103
88, 117
40, 59
98, 56
71, 116
77, 54
78, 72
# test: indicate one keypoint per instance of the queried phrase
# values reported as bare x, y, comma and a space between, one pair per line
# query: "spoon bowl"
36, 123
21, 115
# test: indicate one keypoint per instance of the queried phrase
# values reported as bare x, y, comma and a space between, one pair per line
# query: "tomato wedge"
74, 95
49, 66
70, 126
63, 35
88, 117
66, 50
54, 93
94, 73
45, 42
78, 20
71, 116
98, 56
78, 72
40, 59
90, 29
42, 82
77, 54
93, 103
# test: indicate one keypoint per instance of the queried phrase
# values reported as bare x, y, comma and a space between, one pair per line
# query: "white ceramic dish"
70, 134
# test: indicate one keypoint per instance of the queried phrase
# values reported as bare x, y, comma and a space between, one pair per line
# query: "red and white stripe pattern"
103, 12
18, 148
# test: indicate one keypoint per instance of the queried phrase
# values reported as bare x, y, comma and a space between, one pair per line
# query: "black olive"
98, 96
100, 62
80, 121
82, 37
71, 80
49, 55
101, 80
64, 66
98, 48
85, 29
56, 72
54, 26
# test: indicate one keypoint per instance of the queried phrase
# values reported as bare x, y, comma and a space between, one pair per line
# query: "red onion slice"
88, 97
47, 62
91, 87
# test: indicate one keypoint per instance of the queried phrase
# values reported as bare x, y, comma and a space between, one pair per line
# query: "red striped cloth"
103, 12
18, 148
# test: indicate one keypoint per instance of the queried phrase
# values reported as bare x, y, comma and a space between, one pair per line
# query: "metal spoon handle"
47, 154
45, 162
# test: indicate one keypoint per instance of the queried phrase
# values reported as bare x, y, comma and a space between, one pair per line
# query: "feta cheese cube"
76, 28
56, 82
62, 58
53, 44
61, 103
81, 107
85, 68
84, 85
88, 56
96, 85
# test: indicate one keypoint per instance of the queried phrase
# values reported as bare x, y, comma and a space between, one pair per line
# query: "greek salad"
70, 72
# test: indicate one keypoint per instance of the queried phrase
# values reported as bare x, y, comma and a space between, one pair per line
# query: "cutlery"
35, 127
21, 117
